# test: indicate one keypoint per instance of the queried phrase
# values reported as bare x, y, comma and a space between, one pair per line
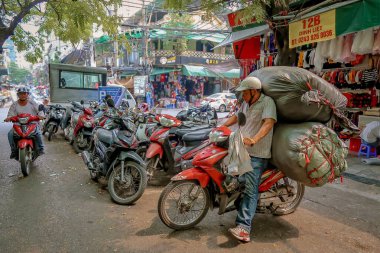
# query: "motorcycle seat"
181, 132
104, 136
199, 135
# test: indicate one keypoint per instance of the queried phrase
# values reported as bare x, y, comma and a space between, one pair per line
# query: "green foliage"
178, 20
70, 21
250, 9
18, 75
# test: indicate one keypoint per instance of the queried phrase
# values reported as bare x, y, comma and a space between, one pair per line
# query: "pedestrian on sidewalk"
371, 135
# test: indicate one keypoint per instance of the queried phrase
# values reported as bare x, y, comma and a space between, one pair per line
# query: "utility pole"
144, 40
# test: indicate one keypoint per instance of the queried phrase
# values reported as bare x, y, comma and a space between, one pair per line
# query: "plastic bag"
238, 160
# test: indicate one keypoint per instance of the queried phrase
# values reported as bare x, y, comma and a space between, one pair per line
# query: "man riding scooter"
260, 111
24, 105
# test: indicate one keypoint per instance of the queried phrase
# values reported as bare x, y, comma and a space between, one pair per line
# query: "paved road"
59, 209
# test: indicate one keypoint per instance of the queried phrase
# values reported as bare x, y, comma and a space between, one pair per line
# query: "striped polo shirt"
263, 108
371, 132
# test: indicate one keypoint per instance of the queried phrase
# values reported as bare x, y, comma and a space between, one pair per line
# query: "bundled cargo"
309, 152
302, 96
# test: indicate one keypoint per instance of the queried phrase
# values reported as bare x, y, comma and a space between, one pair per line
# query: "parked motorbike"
186, 200
54, 118
204, 114
82, 134
24, 127
167, 149
113, 157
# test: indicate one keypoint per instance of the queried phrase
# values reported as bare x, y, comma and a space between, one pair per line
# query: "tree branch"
24, 11
19, 4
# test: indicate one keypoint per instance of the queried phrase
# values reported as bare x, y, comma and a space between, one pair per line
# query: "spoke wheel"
183, 204
25, 160
298, 191
130, 188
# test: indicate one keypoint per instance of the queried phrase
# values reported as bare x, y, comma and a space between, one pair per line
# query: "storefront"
341, 43
177, 88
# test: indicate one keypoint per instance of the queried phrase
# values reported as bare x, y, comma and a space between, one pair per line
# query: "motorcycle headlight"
217, 136
23, 120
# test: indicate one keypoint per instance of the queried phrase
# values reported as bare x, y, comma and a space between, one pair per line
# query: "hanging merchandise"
318, 58
336, 49
363, 42
325, 49
376, 44
347, 55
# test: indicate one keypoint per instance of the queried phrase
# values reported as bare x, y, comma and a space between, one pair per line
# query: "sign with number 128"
316, 28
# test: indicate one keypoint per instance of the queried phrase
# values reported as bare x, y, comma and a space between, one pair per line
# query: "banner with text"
316, 28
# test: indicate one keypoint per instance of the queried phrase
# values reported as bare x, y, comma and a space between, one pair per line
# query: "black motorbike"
113, 157
55, 115
204, 114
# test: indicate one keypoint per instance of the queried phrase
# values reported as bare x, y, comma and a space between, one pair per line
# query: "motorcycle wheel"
142, 152
50, 132
185, 211
129, 191
292, 206
79, 147
25, 161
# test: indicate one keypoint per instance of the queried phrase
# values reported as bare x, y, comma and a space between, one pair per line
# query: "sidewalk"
368, 174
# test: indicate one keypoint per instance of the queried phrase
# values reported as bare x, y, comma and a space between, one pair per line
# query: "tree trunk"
286, 56
4, 35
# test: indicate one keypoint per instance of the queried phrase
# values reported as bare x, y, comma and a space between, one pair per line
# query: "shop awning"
191, 70
334, 20
244, 34
159, 71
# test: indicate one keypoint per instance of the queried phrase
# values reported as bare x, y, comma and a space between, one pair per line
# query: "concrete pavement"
59, 209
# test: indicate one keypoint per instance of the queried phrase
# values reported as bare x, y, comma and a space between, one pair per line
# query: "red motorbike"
82, 134
24, 128
173, 144
186, 200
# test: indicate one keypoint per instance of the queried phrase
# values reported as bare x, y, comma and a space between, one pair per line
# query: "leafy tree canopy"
18, 75
260, 10
69, 20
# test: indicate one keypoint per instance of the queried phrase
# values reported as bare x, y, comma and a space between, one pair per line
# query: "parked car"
220, 101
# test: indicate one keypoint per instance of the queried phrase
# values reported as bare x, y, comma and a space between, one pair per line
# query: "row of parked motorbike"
128, 149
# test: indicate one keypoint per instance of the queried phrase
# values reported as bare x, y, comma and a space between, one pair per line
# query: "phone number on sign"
312, 37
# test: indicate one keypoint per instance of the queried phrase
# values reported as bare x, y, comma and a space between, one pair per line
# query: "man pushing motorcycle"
24, 105
260, 112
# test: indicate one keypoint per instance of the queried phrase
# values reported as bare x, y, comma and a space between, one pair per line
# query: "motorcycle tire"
177, 210
79, 149
156, 176
24, 161
50, 132
141, 151
126, 195
291, 207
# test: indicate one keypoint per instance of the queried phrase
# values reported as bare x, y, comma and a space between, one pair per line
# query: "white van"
118, 94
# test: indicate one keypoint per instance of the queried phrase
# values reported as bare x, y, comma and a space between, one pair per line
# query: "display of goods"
309, 152
294, 91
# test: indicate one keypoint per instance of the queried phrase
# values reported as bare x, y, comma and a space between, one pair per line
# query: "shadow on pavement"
266, 228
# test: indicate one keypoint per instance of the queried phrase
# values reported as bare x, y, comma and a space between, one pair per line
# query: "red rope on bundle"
328, 159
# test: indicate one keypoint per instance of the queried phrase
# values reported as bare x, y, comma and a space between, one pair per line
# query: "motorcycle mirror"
82, 102
241, 119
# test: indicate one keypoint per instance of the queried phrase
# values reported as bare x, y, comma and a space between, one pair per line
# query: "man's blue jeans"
38, 135
248, 204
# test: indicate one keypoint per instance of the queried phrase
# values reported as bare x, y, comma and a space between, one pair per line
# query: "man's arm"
264, 130
232, 120
12, 111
